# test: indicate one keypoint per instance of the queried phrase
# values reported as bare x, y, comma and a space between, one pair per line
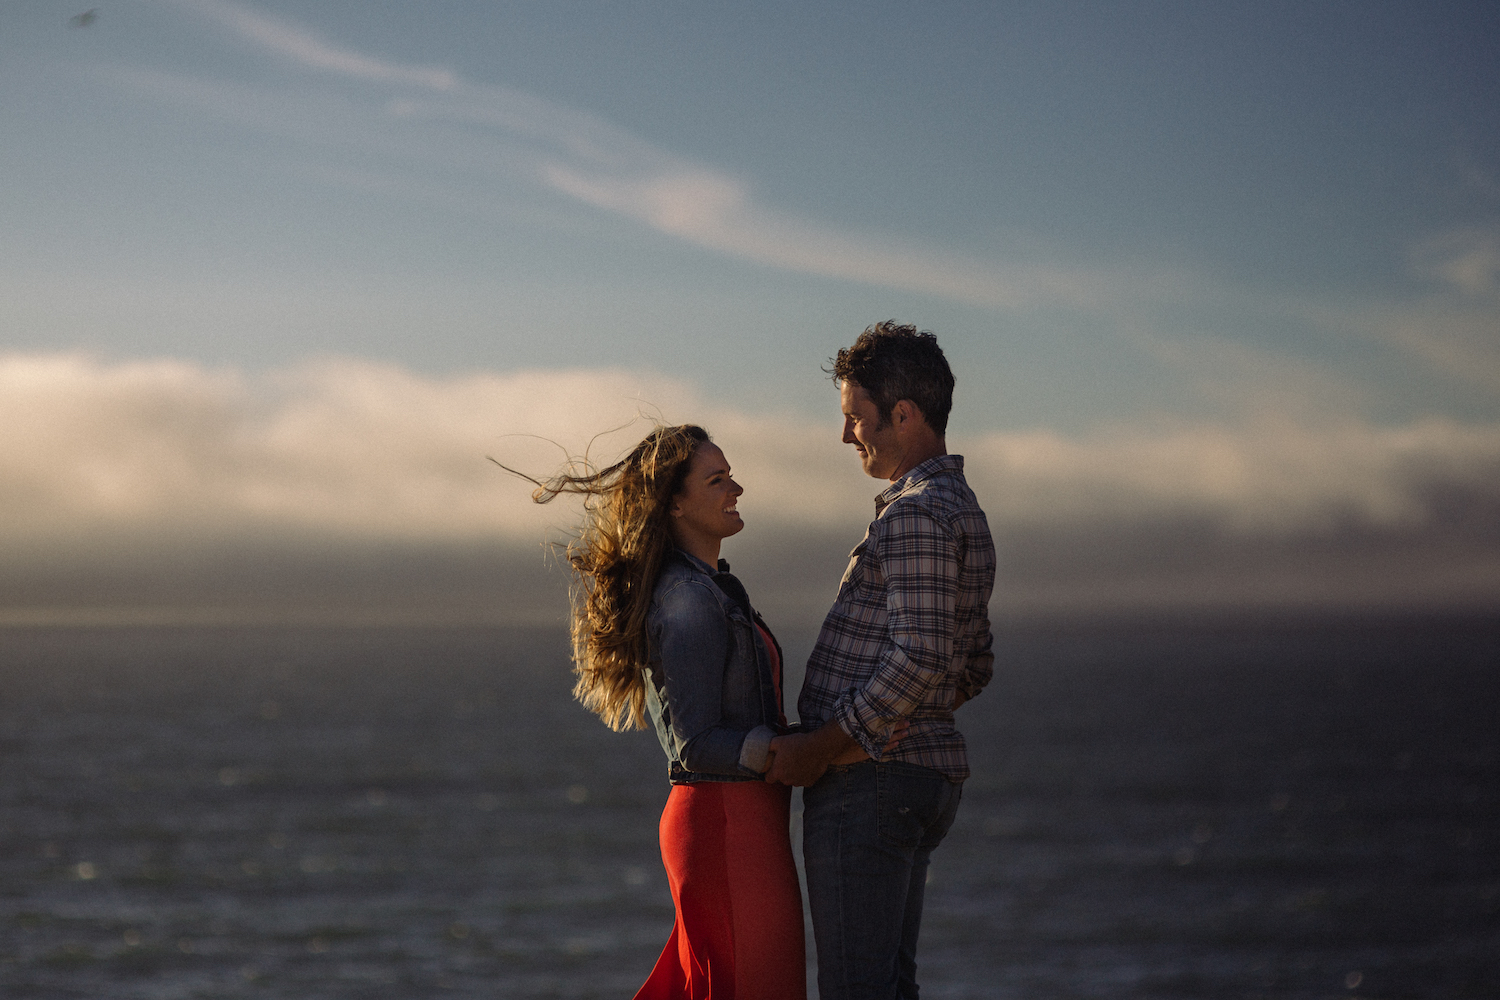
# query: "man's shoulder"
943, 494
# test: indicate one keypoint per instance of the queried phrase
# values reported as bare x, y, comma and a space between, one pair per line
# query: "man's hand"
801, 758
856, 753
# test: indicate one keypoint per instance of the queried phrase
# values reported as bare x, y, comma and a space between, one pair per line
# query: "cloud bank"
106, 467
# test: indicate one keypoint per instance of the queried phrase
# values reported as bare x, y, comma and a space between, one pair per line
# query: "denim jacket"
708, 680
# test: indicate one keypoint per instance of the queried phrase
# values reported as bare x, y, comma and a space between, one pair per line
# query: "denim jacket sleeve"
694, 643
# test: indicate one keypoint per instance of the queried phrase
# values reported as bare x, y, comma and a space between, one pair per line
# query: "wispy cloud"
1466, 259
1453, 329
1462, 342
308, 50
583, 157
433, 131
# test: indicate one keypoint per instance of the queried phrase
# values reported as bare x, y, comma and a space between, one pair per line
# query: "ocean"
1289, 808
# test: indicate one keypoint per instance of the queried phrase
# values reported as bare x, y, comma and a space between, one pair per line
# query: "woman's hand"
801, 758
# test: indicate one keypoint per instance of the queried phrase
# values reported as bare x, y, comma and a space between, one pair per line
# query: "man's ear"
903, 411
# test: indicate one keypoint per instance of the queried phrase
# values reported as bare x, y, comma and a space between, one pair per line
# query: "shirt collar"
929, 469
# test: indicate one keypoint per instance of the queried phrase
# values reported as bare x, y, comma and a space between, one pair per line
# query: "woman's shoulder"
683, 589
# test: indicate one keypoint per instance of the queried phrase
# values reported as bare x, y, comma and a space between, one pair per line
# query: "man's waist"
949, 755
920, 735
928, 718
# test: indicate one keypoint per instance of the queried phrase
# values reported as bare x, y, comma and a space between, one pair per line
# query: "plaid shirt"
911, 622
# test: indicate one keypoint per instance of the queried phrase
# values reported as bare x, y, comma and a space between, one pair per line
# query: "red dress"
728, 855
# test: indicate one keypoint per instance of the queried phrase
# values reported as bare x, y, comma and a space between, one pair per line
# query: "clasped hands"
801, 758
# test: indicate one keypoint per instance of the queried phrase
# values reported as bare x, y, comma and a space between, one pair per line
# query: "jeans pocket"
905, 809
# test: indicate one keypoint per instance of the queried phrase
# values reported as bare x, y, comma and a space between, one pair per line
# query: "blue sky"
1133, 222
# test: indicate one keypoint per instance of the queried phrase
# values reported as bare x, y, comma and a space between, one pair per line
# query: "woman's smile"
707, 510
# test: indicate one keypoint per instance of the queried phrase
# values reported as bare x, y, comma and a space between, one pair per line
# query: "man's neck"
926, 451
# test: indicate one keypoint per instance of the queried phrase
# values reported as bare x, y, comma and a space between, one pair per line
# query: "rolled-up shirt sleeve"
694, 644
979, 664
918, 557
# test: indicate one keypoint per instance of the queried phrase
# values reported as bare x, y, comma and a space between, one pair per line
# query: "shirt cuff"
756, 748
847, 719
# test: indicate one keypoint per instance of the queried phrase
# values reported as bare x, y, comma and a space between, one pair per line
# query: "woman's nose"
735, 488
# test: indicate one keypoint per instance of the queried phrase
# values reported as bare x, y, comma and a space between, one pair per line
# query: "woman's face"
704, 512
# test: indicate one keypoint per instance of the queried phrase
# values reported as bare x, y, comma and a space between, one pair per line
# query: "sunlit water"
1288, 811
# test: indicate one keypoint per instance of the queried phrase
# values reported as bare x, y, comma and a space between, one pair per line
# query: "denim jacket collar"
699, 564
727, 582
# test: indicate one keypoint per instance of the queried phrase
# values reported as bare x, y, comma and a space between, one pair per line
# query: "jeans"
868, 831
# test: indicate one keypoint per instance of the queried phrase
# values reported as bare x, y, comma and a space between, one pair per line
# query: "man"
906, 642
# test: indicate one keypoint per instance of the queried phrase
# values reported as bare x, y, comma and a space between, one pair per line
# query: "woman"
661, 630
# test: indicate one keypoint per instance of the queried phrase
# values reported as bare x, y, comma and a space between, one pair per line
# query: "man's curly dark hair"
894, 361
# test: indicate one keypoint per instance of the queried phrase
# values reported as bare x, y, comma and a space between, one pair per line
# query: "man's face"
879, 451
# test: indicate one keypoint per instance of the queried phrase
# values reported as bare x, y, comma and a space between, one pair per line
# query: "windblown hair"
617, 556
893, 361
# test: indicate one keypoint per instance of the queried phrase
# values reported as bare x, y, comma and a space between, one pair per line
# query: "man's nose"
849, 432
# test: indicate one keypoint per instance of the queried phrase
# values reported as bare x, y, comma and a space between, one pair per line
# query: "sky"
1220, 284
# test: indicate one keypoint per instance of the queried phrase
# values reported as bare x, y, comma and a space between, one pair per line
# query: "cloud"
426, 134
353, 475
1459, 341
715, 211
1466, 259
1451, 328
344, 447
587, 159
1454, 329
312, 52
1270, 479
374, 450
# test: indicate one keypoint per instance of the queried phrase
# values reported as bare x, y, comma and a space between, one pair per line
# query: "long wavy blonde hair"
616, 558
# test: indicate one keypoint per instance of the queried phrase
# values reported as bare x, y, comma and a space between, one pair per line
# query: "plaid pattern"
911, 622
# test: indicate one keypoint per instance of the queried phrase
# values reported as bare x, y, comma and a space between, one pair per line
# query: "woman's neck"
706, 549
